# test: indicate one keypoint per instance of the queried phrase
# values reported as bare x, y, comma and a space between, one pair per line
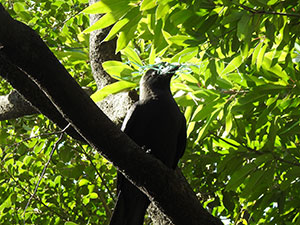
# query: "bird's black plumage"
156, 123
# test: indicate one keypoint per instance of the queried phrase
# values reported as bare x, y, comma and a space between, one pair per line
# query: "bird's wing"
132, 203
134, 116
130, 117
181, 141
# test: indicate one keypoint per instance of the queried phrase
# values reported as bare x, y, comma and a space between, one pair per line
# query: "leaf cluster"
238, 88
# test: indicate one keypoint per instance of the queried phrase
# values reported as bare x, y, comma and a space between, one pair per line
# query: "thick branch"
114, 106
30, 91
25, 49
14, 106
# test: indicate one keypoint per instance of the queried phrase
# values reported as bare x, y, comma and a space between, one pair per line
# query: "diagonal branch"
24, 48
30, 91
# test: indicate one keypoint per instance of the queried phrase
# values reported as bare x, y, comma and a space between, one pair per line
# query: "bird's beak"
171, 70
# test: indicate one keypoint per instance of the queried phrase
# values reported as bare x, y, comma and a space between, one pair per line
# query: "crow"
156, 123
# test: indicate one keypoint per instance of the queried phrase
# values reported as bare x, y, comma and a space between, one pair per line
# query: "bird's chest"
158, 125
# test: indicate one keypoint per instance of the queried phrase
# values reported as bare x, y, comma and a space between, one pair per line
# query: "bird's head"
158, 78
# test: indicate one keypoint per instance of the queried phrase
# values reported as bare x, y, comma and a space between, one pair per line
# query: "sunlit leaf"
105, 6
132, 55
148, 4
117, 69
233, 65
108, 19
112, 89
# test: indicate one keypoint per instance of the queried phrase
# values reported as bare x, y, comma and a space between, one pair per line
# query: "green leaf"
6, 203
239, 176
289, 128
19, 7
228, 200
253, 182
93, 195
132, 55
228, 123
262, 159
130, 19
204, 129
188, 113
233, 17
237, 78
180, 16
233, 65
160, 42
116, 29
152, 55
255, 53
260, 56
272, 135
70, 223
105, 6
127, 32
57, 181
185, 55
148, 4
185, 100
206, 110
275, 69
83, 182
117, 69
251, 97
161, 11
189, 78
190, 128
85, 200
181, 40
270, 30
108, 19
223, 83
112, 89
243, 26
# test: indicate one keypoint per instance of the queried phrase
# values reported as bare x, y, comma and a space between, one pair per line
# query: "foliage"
239, 89
75, 177
78, 183
60, 25
238, 86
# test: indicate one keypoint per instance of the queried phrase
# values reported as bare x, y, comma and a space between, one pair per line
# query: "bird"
155, 123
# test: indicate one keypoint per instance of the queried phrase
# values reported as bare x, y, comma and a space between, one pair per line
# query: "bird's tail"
130, 209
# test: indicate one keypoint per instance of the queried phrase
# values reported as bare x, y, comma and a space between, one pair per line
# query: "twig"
98, 173
15, 145
44, 170
258, 152
268, 12
36, 197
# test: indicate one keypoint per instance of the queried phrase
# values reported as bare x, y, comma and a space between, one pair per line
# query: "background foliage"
238, 86
78, 183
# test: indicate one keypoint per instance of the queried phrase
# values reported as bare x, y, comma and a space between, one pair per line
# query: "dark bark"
23, 47
30, 91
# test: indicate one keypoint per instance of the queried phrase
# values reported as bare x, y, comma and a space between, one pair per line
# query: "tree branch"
14, 106
30, 91
24, 48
